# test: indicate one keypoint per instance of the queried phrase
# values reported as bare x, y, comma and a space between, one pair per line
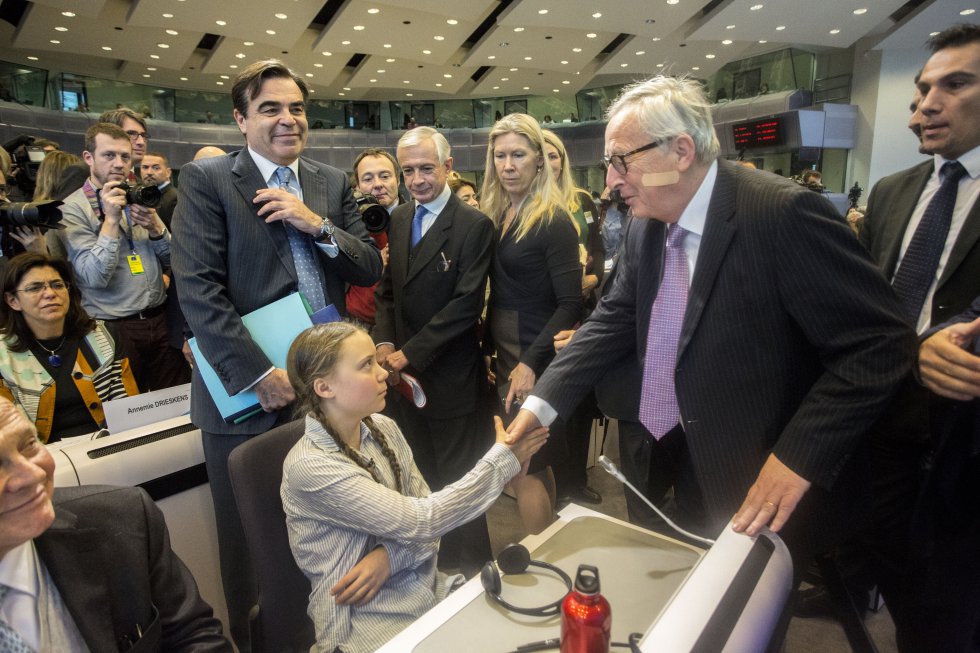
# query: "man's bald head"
208, 151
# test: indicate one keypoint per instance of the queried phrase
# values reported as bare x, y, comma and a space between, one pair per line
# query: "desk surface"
639, 571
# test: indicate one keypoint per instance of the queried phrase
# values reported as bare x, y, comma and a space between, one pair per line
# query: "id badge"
135, 264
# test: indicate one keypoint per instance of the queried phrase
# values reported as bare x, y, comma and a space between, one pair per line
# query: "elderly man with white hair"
768, 340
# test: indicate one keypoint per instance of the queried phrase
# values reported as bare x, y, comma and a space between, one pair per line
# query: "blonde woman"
535, 286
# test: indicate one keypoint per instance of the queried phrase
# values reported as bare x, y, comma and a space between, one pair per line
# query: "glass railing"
771, 72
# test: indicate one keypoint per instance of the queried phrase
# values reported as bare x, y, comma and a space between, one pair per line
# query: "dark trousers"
237, 576
636, 446
573, 475
155, 363
938, 606
444, 451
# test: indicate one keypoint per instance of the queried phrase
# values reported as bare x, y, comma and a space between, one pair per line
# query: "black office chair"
278, 622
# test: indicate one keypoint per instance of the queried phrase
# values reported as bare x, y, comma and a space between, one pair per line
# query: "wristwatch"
326, 232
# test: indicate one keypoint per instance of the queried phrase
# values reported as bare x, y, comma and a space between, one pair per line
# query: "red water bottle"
586, 619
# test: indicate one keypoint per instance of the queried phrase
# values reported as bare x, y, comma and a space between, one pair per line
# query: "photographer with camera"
118, 246
375, 183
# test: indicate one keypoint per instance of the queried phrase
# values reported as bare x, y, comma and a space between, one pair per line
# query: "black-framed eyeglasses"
133, 135
38, 287
618, 161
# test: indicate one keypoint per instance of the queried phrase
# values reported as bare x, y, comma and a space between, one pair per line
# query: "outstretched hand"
524, 422
526, 446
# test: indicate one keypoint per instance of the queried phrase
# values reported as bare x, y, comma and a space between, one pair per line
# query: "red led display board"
758, 133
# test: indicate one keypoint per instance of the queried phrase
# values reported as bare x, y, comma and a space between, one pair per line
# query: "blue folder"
273, 328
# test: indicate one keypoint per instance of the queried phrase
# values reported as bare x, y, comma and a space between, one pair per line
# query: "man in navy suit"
250, 228
787, 347
428, 304
88, 568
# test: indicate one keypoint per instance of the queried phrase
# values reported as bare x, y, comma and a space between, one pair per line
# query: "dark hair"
378, 152
954, 37
313, 355
113, 131
115, 116
456, 183
249, 82
159, 155
13, 326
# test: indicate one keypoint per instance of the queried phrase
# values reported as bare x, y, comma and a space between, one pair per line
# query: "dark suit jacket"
430, 312
109, 555
890, 207
950, 500
229, 262
792, 341
167, 204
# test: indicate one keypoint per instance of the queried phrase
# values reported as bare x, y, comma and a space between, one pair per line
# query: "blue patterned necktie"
659, 411
308, 273
10, 641
417, 224
921, 261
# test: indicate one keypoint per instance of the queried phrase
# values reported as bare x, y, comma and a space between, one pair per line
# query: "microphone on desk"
615, 472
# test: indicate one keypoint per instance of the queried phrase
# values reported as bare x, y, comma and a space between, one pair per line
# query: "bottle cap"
587, 579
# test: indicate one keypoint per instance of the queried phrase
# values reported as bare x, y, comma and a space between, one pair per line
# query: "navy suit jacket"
430, 310
792, 341
109, 555
229, 262
890, 207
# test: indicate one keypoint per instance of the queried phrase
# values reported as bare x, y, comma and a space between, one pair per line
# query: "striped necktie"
309, 275
10, 640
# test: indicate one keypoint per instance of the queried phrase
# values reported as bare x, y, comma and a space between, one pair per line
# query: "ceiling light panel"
806, 23
617, 16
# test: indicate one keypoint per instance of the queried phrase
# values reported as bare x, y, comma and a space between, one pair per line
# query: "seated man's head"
26, 480
376, 173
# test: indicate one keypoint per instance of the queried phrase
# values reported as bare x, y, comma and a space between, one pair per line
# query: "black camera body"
375, 216
144, 195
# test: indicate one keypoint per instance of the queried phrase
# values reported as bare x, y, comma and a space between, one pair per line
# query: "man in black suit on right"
430, 298
899, 225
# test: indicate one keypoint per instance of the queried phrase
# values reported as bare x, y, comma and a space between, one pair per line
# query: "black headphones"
515, 559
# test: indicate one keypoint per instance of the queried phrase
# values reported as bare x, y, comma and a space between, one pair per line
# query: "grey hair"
666, 107
418, 135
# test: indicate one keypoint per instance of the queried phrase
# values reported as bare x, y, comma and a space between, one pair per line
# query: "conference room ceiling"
434, 49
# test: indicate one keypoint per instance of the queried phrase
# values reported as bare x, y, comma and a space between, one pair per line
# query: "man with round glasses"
768, 340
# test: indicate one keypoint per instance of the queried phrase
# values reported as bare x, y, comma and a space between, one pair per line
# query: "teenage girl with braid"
363, 525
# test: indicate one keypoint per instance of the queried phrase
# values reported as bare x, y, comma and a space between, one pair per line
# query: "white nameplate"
147, 408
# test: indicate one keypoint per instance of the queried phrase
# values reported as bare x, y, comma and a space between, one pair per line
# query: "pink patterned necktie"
659, 412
